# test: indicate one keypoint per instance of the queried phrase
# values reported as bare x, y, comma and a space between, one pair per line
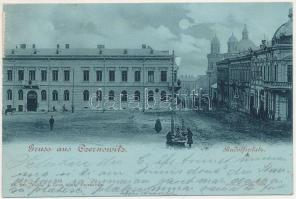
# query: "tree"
158, 126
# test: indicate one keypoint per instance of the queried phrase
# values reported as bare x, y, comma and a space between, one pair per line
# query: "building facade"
70, 79
235, 48
260, 81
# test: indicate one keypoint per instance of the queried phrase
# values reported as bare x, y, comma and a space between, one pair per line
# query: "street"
127, 126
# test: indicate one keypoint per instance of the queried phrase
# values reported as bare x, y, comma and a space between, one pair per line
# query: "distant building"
235, 48
188, 89
65, 78
189, 83
260, 81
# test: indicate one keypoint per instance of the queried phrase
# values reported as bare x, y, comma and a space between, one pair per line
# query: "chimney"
23, 46
143, 46
67, 46
33, 46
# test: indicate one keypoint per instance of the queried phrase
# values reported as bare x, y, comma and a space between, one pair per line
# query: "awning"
214, 86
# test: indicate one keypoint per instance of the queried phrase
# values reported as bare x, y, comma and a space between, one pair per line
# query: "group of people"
170, 137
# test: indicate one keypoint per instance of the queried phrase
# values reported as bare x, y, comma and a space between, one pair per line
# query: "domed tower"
284, 33
215, 45
232, 44
245, 43
245, 33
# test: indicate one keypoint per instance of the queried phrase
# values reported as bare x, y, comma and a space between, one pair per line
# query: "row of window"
111, 95
99, 75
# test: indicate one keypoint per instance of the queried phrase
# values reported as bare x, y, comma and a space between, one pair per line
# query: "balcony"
278, 85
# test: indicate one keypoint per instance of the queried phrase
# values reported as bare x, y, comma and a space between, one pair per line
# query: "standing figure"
51, 122
189, 137
178, 133
169, 138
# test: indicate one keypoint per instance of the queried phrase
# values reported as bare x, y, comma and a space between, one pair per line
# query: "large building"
260, 81
234, 48
67, 78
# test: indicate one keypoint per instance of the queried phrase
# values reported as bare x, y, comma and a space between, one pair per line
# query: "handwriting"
33, 175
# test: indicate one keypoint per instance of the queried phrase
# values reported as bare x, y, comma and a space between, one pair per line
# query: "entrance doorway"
32, 101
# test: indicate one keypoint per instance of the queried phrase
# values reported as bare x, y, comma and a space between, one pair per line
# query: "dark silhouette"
10, 110
178, 133
64, 108
51, 122
158, 126
169, 138
189, 137
54, 109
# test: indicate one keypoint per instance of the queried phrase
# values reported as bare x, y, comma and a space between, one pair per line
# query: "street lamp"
177, 61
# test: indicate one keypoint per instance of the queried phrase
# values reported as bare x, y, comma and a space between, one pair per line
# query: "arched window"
43, 95
55, 95
137, 96
99, 95
150, 96
123, 96
66, 95
111, 95
20, 95
163, 96
85, 95
9, 94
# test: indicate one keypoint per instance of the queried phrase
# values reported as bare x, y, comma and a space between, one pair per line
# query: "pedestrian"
189, 137
169, 138
51, 122
178, 134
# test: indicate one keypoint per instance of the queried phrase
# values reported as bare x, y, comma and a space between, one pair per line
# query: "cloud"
187, 28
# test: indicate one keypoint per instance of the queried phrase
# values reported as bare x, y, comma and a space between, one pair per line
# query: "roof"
214, 85
283, 34
84, 52
245, 44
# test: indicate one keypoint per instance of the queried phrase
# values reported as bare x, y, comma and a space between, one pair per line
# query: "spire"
215, 45
245, 33
232, 38
232, 44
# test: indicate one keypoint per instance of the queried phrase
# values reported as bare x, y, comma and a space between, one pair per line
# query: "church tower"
232, 44
215, 45
213, 57
245, 43
245, 33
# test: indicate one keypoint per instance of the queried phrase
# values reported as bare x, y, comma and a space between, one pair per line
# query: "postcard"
147, 99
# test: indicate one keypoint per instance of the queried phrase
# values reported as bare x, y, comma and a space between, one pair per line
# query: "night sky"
186, 28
